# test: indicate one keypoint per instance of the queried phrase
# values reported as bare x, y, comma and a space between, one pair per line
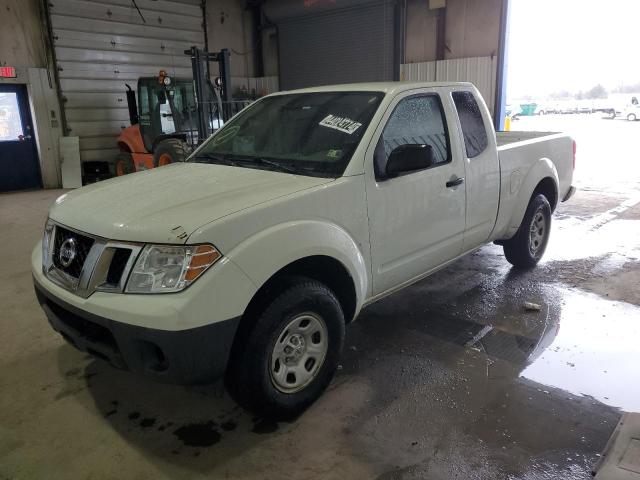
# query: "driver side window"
418, 119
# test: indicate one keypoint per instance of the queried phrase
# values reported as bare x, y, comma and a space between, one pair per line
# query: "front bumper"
569, 194
195, 355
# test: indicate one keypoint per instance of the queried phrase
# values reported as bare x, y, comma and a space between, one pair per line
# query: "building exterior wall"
21, 43
421, 32
472, 29
229, 26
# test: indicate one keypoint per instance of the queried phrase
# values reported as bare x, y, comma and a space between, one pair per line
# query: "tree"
596, 92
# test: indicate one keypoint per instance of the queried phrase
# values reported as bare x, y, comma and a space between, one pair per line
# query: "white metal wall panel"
260, 85
101, 45
418, 72
481, 71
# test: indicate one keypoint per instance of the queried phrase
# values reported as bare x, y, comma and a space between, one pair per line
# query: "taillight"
574, 154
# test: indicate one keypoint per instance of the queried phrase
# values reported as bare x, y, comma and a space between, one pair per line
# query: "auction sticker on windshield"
343, 124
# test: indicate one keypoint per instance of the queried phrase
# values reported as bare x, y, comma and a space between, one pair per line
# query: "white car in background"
631, 112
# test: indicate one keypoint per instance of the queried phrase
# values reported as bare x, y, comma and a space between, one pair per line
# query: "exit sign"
7, 72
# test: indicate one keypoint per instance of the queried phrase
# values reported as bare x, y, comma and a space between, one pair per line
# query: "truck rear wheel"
529, 243
287, 357
169, 151
124, 164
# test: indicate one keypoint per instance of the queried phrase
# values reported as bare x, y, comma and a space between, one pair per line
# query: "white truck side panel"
330, 220
522, 166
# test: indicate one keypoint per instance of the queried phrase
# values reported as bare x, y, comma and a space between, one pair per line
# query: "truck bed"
521, 155
506, 138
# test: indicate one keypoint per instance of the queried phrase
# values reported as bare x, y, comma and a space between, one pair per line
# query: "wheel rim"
165, 159
537, 233
120, 169
298, 353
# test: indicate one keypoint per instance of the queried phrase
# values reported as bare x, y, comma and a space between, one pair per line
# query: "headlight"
169, 268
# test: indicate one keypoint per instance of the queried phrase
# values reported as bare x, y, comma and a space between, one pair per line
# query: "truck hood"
167, 204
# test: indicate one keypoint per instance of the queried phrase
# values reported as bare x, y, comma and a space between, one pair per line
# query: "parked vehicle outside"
631, 112
248, 260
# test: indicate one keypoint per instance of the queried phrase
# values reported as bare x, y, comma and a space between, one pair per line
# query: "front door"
19, 166
417, 220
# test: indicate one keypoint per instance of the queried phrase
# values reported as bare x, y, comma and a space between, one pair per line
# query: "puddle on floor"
596, 351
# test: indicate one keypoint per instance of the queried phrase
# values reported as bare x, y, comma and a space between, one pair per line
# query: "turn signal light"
202, 258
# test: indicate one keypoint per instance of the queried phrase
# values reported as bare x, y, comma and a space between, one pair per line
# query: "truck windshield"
307, 133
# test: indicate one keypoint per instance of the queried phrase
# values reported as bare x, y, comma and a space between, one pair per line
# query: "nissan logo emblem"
67, 252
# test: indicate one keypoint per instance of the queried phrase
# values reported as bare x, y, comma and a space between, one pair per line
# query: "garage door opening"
572, 68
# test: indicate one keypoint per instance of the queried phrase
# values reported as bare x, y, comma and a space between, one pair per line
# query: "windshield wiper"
213, 158
266, 161
278, 165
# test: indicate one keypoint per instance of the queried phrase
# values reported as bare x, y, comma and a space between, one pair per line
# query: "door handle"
455, 182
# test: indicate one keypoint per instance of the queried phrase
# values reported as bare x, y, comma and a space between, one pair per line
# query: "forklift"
173, 115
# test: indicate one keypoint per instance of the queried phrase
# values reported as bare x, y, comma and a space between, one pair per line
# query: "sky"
572, 45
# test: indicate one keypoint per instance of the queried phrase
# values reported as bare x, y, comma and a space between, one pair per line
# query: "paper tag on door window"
343, 124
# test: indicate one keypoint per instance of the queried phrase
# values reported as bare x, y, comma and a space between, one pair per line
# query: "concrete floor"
450, 378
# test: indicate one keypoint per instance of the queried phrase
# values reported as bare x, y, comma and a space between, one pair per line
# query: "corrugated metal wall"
102, 44
481, 71
337, 46
260, 85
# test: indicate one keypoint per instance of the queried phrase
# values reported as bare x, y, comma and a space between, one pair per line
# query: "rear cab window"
474, 130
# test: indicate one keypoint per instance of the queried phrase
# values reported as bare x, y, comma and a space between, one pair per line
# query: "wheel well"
547, 187
124, 147
324, 269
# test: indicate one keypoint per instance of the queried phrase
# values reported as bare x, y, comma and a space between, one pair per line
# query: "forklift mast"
199, 63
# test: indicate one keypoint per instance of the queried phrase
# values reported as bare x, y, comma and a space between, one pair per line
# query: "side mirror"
409, 158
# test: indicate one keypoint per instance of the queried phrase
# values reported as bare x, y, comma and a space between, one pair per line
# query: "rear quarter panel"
523, 165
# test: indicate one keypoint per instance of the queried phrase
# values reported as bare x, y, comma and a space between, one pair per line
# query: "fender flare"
264, 254
130, 139
543, 168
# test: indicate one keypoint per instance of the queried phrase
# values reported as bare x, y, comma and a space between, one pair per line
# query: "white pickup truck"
248, 260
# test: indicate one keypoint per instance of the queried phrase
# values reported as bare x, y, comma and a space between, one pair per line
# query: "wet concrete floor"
451, 378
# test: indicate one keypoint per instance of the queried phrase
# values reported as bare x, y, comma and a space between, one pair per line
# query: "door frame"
456, 150
27, 119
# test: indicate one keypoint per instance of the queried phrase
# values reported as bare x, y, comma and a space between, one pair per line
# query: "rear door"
416, 221
482, 168
19, 166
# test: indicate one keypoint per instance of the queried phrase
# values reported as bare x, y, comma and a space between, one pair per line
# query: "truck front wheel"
287, 357
527, 246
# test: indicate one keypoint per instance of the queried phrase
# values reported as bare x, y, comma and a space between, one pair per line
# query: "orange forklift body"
131, 140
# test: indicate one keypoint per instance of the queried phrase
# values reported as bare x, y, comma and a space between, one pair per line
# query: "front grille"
88, 263
82, 246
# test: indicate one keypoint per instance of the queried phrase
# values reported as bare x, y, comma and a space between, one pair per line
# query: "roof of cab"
385, 87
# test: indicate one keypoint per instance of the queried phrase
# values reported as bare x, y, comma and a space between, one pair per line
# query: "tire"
258, 377
631, 117
124, 164
169, 151
526, 248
